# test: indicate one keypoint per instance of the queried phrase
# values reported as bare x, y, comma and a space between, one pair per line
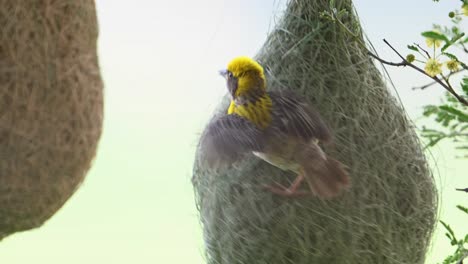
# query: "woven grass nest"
389, 213
50, 106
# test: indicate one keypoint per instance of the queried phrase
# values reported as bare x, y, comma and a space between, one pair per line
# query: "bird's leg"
290, 191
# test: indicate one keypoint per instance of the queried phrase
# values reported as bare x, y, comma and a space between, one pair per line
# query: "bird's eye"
230, 75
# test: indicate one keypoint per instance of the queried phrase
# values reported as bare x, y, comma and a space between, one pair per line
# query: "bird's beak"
223, 73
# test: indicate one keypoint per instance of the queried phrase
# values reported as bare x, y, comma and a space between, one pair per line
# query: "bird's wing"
227, 138
296, 118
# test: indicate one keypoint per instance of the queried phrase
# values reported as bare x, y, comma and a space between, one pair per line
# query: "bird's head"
244, 77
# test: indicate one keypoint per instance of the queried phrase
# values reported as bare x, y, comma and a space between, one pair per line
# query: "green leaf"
464, 66
452, 41
454, 126
457, 37
444, 118
464, 85
462, 117
450, 98
432, 131
412, 47
342, 13
447, 45
448, 236
435, 35
450, 233
462, 208
450, 56
430, 109
433, 142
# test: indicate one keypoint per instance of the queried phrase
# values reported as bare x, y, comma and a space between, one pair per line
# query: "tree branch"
421, 48
404, 62
422, 87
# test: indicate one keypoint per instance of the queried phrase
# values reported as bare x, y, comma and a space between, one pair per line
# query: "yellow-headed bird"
277, 127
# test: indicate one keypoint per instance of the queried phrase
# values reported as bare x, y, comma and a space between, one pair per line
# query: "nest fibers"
50, 106
388, 214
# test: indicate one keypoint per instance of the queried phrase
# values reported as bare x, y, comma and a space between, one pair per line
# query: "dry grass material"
389, 213
51, 106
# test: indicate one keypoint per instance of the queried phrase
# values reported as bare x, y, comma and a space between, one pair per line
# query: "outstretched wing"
227, 138
296, 118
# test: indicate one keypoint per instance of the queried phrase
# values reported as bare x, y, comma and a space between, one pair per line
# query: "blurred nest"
50, 106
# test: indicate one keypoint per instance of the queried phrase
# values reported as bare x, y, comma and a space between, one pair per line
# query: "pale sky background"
159, 62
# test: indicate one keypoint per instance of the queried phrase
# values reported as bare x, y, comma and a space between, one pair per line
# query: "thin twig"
403, 63
422, 87
425, 51
452, 91
435, 78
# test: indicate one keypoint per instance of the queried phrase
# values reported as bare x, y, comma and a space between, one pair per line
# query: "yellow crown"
242, 64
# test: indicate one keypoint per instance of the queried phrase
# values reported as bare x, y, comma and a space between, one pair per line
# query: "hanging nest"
50, 106
388, 214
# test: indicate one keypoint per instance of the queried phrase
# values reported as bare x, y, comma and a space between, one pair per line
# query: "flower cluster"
439, 41
465, 9
433, 67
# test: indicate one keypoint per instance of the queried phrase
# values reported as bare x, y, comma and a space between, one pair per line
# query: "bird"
278, 127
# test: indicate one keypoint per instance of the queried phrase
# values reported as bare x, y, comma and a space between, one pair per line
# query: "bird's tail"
326, 176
